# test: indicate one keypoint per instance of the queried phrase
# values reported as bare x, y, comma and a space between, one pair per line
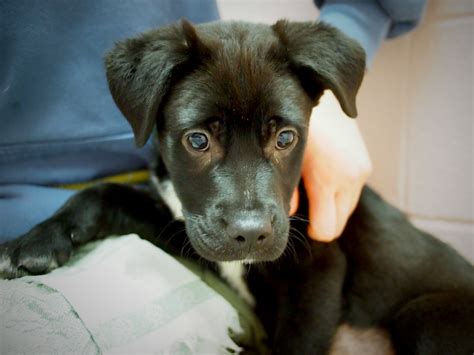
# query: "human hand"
336, 165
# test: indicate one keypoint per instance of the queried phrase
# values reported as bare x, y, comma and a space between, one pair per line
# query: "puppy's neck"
164, 187
233, 273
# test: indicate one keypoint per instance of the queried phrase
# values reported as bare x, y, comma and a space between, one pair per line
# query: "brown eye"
198, 141
285, 139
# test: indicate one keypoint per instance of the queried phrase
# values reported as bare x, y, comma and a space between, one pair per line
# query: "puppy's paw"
39, 251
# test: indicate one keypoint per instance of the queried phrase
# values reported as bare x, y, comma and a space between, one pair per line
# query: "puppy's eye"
198, 141
285, 139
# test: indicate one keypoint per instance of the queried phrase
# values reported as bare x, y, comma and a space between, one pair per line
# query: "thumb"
322, 215
295, 198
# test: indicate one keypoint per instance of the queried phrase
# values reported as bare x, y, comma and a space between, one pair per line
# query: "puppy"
230, 103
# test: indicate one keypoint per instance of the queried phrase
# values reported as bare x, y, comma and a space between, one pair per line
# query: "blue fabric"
371, 21
23, 206
58, 122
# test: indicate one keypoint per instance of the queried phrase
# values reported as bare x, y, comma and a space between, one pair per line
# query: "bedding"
124, 295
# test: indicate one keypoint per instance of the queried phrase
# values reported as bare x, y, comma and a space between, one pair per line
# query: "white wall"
267, 11
415, 112
417, 116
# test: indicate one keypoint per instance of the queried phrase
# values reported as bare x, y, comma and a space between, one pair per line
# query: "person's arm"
336, 164
371, 21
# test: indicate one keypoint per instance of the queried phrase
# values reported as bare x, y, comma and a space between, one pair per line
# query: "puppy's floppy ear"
140, 71
323, 58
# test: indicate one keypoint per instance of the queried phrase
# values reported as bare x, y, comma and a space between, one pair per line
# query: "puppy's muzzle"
248, 230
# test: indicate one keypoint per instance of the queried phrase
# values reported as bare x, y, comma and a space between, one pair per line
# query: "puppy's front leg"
93, 213
309, 309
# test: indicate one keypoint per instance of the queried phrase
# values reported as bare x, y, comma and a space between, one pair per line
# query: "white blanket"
121, 295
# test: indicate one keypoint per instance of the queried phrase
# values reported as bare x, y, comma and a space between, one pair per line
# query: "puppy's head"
231, 104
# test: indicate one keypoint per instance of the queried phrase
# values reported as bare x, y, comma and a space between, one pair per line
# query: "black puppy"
231, 104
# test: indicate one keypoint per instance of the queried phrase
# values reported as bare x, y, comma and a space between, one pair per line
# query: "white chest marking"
233, 272
167, 192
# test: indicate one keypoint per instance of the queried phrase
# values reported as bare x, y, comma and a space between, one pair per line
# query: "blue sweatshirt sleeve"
371, 21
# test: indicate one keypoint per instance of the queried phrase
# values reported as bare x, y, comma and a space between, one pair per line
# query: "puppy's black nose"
249, 231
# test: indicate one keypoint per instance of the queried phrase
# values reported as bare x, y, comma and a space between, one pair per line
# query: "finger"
344, 206
322, 215
346, 203
356, 198
295, 198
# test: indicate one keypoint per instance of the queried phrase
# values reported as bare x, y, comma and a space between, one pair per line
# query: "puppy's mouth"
216, 246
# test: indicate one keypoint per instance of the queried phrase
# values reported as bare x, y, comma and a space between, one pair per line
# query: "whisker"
303, 239
185, 249
300, 218
178, 232
157, 238
248, 268
291, 248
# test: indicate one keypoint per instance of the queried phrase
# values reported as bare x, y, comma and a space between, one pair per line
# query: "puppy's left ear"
323, 58
140, 72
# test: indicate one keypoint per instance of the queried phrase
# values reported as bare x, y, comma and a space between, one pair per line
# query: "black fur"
241, 84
